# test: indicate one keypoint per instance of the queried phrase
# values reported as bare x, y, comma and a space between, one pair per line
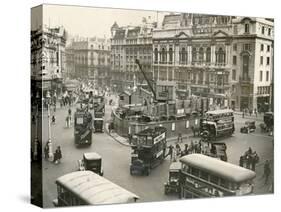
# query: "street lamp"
36, 140
50, 154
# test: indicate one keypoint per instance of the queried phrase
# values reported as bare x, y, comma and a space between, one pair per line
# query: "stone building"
129, 43
252, 63
219, 57
91, 59
48, 59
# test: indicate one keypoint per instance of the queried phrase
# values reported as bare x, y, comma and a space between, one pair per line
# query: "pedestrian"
179, 138
53, 119
255, 111
46, 150
171, 152
249, 152
241, 161
67, 122
267, 171
185, 149
248, 161
255, 160
243, 114
251, 111
69, 113
57, 155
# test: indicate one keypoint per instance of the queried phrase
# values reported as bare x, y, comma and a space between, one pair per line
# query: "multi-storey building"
252, 63
220, 57
91, 59
195, 52
128, 44
48, 58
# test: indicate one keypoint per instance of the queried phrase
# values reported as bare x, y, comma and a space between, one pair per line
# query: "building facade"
228, 59
91, 59
48, 62
252, 63
128, 44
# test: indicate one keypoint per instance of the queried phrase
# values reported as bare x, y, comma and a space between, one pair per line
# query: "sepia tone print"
141, 106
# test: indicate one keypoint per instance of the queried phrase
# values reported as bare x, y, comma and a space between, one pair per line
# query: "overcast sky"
90, 21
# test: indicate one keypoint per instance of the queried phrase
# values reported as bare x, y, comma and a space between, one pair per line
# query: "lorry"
83, 127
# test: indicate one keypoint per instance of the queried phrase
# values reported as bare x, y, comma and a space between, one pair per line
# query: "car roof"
92, 156
175, 166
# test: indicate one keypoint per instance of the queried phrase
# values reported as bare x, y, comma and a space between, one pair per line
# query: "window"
214, 179
268, 48
267, 76
208, 55
260, 76
220, 56
194, 54
201, 54
234, 60
163, 55
267, 61
170, 55
235, 47
261, 47
245, 73
156, 55
269, 31
194, 172
233, 74
183, 56
204, 175
247, 28
247, 47
262, 30
261, 60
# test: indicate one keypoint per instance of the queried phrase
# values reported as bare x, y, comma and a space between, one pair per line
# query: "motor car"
91, 161
250, 126
173, 186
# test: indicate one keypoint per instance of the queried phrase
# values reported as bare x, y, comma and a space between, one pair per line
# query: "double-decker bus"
149, 150
204, 176
83, 127
218, 123
88, 188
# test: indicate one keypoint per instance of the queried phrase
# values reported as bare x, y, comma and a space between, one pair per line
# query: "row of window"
267, 60
267, 49
197, 56
261, 76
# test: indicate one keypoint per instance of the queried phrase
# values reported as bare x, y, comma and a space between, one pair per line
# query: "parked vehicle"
250, 126
173, 184
91, 161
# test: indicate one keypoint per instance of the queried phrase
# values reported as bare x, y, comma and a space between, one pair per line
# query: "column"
189, 56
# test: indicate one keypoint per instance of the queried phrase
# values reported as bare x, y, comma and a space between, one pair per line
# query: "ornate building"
128, 44
91, 58
215, 56
48, 58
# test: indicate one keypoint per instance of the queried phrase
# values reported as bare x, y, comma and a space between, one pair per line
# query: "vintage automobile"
173, 186
91, 161
250, 126
139, 167
218, 150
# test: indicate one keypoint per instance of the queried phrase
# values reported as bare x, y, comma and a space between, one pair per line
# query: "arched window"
220, 56
163, 55
156, 55
208, 55
170, 55
194, 55
183, 56
201, 54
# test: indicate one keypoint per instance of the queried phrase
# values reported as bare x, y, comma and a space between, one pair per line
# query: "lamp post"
50, 154
36, 140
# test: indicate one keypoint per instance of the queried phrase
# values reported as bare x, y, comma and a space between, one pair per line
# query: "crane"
147, 80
